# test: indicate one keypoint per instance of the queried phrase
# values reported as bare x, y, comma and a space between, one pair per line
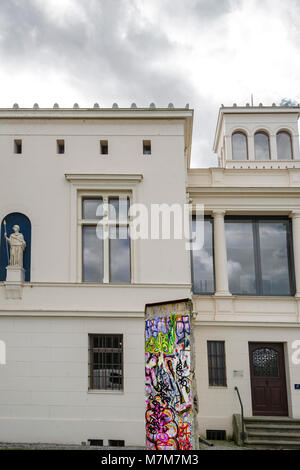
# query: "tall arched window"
284, 146
15, 218
261, 145
239, 146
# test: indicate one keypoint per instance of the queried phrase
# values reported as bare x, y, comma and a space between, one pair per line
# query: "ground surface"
218, 445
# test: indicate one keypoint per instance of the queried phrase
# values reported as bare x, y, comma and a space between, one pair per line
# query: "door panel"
268, 382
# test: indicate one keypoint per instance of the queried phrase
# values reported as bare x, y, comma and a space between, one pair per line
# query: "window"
216, 363
116, 443
284, 146
60, 146
239, 146
106, 239
106, 362
202, 259
147, 147
259, 256
104, 147
261, 145
17, 146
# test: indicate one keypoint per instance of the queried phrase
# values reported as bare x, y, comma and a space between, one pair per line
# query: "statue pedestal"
15, 274
15, 278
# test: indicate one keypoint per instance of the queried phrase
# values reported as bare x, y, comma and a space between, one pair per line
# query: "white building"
84, 302
74, 329
246, 279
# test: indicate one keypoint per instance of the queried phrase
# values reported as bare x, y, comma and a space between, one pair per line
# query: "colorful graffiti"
168, 382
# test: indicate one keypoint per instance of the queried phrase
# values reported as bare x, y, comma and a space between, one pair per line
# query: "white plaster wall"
218, 404
34, 183
44, 385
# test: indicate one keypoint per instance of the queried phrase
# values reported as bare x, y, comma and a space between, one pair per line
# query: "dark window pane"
261, 143
284, 146
118, 208
273, 238
119, 259
240, 256
265, 362
216, 363
202, 260
106, 364
92, 208
104, 147
239, 146
92, 254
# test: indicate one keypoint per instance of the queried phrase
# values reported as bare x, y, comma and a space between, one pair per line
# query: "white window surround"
82, 185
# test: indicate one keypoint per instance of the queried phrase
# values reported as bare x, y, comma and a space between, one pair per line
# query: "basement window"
215, 435
60, 146
146, 147
17, 146
116, 443
95, 442
104, 147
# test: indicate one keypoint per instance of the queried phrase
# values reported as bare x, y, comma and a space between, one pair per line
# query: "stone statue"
17, 246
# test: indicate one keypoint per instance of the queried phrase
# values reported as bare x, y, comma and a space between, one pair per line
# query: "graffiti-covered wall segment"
169, 395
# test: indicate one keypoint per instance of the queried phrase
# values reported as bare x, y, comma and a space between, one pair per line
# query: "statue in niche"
17, 246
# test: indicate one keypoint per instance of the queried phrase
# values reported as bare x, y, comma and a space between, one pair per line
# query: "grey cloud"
112, 53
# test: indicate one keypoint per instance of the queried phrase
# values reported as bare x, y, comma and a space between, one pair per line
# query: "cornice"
103, 177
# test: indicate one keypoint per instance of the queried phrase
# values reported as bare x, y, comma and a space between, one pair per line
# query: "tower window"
239, 146
262, 147
284, 146
60, 146
104, 147
17, 146
147, 147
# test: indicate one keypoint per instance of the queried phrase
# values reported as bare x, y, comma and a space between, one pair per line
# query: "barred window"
216, 363
106, 362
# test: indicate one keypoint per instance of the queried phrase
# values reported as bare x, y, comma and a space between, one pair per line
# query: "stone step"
278, 444
274, 435
272, 421
284, 428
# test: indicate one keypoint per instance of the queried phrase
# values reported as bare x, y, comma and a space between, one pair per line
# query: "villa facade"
73, 320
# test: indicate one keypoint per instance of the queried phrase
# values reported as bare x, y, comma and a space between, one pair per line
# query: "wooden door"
268, 381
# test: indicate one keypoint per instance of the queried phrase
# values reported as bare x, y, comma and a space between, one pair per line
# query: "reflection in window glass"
92, 208
92, 254
118, 208
284, 146
202, 260
240, 257
261, 144
259, 256
119, 254
239, 146
274, 257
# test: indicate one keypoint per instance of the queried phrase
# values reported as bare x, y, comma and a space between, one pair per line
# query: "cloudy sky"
201, 52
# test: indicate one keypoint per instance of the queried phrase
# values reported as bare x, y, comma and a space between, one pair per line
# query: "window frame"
266, 133
18, 145
104, 149
147, 143
238, 131
60, 145
106, 224
284, 131
91, 362
211, 219
255, 219
210, 368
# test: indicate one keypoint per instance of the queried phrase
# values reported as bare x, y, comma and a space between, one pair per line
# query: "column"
296, 246
273, 147
221, 272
